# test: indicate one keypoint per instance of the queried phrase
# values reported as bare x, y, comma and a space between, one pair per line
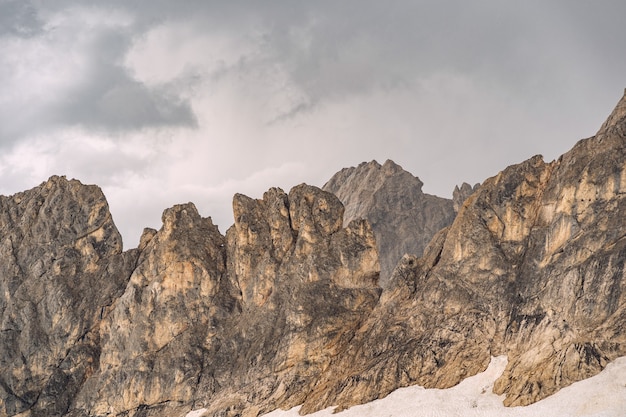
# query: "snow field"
603, 395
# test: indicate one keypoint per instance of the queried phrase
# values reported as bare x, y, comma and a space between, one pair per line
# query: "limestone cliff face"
404, 219
155, 339
572, 281
532, 267
285, 309
62, 269
306, 284
241, 323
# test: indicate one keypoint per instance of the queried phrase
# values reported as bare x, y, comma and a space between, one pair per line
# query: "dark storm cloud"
109, 98
98, 93
19, 18
334, 49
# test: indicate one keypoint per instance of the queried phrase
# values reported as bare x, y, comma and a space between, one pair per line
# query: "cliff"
62, 270
241, 323
532, 267
404, 219
285, 309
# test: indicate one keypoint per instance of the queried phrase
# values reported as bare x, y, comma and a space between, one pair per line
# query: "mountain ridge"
404, 219
285, 309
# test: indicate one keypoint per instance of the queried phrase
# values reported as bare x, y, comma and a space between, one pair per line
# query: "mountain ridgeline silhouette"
317, 297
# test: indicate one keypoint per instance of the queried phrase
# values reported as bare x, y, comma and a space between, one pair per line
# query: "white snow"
603, 395
196, 413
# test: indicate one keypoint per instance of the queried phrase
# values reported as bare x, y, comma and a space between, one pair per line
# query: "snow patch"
603, 395
196, 413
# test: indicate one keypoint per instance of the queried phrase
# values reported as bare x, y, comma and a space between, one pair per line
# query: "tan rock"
158, 331
532, 267
286, 309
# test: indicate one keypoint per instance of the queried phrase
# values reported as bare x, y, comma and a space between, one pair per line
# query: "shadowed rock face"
61, 270
403, 218
286, 308
460, 194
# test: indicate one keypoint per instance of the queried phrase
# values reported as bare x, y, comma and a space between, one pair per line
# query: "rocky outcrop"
571, 288
158, 333
285, 309
404, 219
241, 323
459, 195
62, 269
532, 267
306, 284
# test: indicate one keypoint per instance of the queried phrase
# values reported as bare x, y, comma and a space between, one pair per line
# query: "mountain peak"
403, 218
285, 309
391, 167
617, 117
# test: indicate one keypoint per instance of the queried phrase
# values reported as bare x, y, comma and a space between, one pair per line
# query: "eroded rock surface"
404, 218
532, 267
241, 323
461, 194
62, 268
306, 285
285, 309
155, 340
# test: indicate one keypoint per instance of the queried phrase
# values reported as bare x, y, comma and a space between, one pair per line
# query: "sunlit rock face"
241, 323
532, 267
154, 340
570, 288
286, 309
306, 284
404, 218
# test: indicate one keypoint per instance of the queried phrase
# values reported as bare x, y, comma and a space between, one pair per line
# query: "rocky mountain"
404, 219
242, 323
62, 270
532, 267
285, 308
459, 195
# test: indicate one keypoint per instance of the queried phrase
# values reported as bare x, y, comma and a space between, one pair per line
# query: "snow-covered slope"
603, 395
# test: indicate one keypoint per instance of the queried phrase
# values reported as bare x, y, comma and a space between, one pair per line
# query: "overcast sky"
164, 102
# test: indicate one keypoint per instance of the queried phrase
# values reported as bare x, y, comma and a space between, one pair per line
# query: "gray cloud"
109, 98
332, 49
98, 92
19, 18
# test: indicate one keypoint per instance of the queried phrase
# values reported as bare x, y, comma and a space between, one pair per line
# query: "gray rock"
404, 219
62, 268
459, 195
